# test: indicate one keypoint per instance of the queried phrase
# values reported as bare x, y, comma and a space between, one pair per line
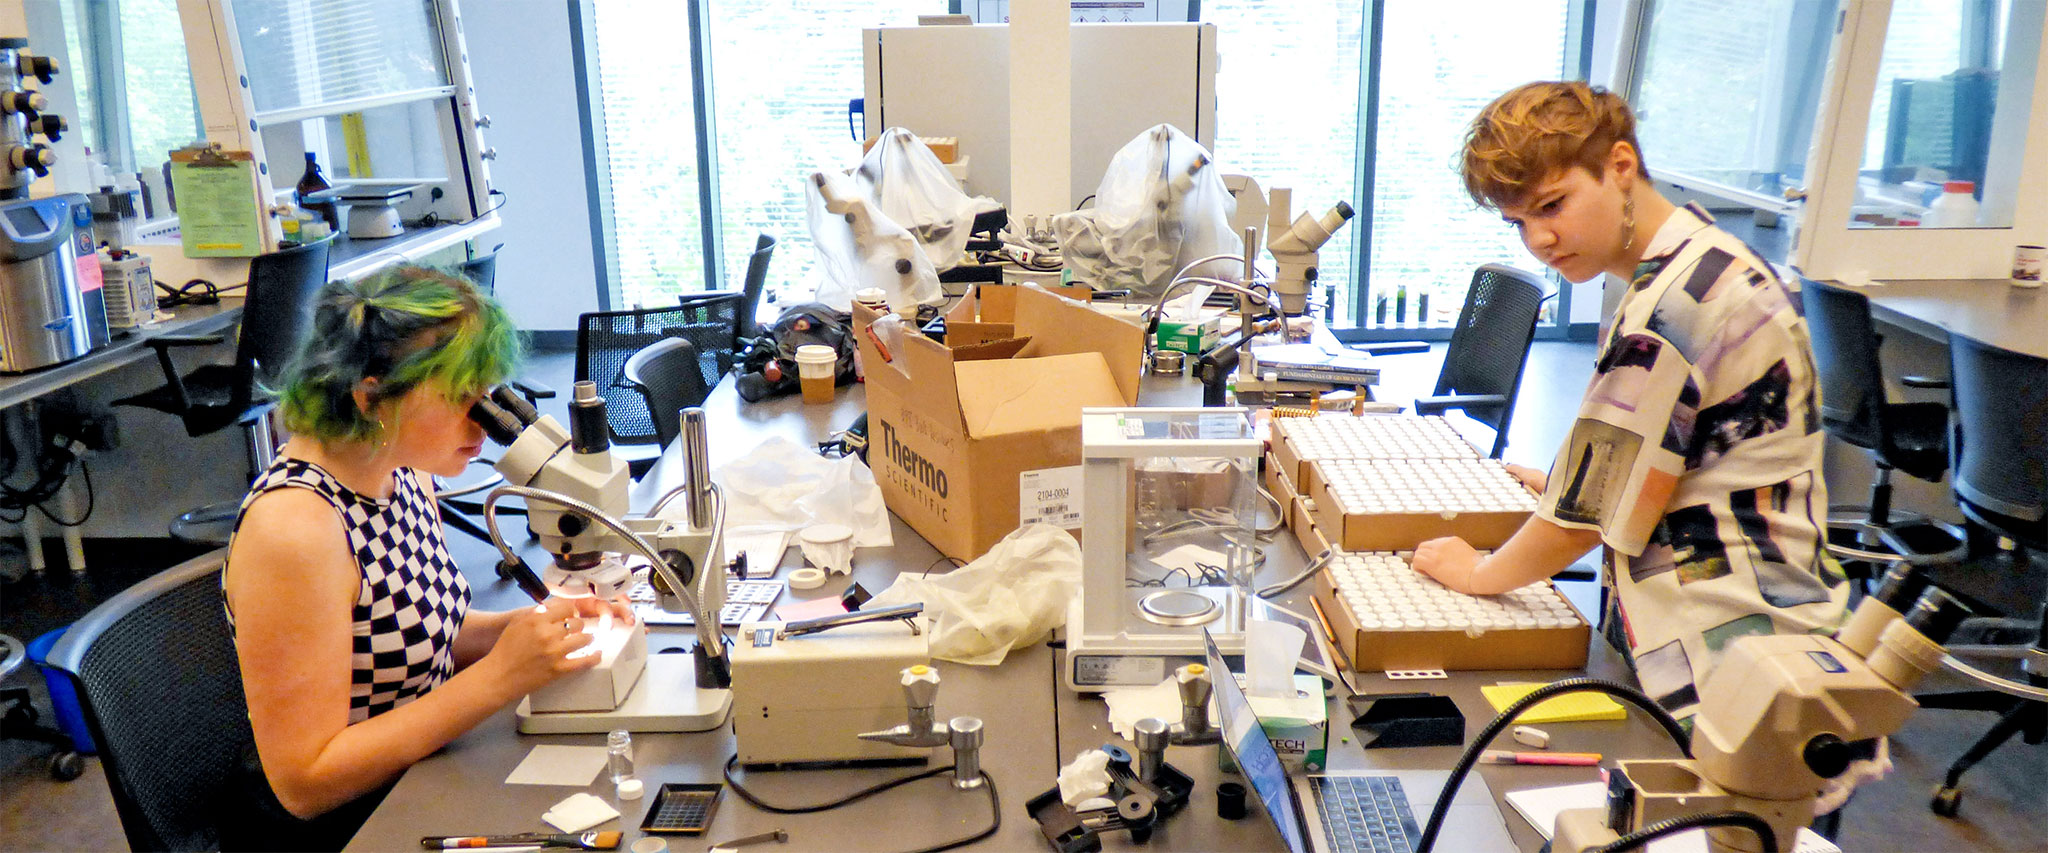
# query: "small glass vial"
619, 745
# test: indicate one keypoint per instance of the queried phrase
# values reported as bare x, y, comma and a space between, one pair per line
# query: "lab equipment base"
666, 700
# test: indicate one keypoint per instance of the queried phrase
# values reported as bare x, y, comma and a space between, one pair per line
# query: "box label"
1050, 496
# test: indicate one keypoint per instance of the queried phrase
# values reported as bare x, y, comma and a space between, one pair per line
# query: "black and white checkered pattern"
412, 599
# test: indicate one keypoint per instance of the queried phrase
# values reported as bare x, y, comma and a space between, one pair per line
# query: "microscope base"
666, 700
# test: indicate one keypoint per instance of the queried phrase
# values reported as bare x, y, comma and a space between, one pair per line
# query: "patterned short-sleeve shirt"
412, 599
1697, 457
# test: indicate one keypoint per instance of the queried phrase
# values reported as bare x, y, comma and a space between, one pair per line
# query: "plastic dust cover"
1161, 205
906, 181
860, 247
1012, 596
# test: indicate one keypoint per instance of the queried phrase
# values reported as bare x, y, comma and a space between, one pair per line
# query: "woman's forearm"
1537, 551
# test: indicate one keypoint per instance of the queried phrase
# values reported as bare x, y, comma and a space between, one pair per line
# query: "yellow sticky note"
1569, 708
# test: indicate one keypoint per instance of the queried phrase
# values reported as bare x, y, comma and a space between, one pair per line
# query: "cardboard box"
1302, 520
623, 656
953, 429
988, 313
1355, 530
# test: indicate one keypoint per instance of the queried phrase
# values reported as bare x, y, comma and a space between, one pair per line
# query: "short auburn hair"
1539, 129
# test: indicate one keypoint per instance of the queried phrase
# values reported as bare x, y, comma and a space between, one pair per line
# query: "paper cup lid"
816, 353
631, 789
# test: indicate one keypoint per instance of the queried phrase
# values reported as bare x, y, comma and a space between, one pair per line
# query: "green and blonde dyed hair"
1537, 130
403, 327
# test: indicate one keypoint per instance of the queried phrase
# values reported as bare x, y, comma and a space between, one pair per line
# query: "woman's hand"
535, 646
592, 607
1531, 478
1450, 560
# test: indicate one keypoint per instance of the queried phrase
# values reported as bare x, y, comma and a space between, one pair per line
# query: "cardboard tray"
1533, 648
1355, 530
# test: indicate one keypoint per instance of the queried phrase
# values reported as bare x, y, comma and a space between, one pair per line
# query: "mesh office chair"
275, 314
606, 339
19, 717
1909, 437
748, 325
669, 375
162, 694
2001, 482
1483, 363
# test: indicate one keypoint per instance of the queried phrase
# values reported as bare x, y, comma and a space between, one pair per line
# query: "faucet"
923, 730
1193, 728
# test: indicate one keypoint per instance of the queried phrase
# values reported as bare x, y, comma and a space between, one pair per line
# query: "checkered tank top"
412, 599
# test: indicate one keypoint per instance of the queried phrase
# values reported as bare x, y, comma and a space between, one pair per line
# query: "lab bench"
1033, 723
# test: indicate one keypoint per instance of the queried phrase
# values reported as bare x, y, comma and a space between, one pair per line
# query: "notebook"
1349, 812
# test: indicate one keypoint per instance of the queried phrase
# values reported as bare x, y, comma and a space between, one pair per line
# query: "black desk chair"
276, 311
669, 374
161, 689
18, 716
1909, 437
605, 340
2001, 482
749, 326
1489, 346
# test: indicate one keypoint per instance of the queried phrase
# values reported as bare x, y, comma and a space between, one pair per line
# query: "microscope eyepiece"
499, 424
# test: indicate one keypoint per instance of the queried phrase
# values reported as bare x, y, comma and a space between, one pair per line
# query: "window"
1437, 69
133, 83
1756, 68
1287, 110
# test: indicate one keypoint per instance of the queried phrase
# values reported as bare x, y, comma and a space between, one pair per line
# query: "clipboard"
218, 214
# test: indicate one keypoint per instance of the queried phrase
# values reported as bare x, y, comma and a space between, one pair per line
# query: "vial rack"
1396, 504
1299, 441
1399, 618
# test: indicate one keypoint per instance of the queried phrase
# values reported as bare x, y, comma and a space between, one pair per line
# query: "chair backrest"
606, 339
2000, 444
1845, 344
670, 377
276, 314
1490, 344
161, 688
483, 269
749, 324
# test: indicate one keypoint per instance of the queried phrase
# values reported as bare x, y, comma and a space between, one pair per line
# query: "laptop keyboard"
1366, 814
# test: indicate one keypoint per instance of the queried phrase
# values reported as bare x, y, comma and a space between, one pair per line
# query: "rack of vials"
1380, 486
1397, 618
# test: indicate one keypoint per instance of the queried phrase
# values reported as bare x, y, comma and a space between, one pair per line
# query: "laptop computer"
1379, 811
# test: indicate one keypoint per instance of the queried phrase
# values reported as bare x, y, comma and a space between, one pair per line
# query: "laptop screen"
1256, 758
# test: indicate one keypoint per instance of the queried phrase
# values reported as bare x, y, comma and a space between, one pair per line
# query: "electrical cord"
1635, 697
1640, 837
1315, 564
995, 807
90, 501
196, 291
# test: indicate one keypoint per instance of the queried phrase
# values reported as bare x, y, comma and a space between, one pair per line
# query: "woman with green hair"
359, 653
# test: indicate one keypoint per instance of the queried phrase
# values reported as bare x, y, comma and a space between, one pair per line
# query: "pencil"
1336, 646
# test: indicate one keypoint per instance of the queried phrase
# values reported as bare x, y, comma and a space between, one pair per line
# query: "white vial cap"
631, 788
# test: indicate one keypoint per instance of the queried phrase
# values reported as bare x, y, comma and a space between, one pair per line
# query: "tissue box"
1193, 337
1298, 725
623, 650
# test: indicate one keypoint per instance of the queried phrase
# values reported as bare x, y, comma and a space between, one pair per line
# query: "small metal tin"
1168, 362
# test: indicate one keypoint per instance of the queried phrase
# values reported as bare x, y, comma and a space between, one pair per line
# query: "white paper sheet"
1539, 806
556, 764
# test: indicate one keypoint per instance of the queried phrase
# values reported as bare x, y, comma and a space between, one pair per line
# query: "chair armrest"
1438, 405
1575, 575
162, 342
1923, 382
532, 390
1391, 347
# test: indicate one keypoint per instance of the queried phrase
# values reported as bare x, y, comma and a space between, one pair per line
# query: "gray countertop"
1989, 311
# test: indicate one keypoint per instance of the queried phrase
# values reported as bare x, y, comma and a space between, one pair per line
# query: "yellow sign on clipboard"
217, 211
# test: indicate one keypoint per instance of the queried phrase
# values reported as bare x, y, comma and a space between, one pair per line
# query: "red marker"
1567, 759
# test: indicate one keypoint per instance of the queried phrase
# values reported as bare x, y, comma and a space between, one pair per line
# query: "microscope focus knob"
572, 524
1828, 756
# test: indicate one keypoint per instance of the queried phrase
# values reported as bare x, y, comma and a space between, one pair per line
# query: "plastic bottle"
619, 758
1956, 208
1401, 304
312, 182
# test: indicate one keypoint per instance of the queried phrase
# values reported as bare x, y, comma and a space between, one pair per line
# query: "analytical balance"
1169, 543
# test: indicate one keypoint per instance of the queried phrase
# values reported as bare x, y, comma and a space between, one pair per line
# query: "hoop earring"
1628, 222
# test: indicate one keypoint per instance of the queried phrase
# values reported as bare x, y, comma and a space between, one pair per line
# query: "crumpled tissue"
1085, 779
579, 812
1011, 596
1128, 705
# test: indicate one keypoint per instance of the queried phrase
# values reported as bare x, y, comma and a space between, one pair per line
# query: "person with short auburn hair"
1696, 455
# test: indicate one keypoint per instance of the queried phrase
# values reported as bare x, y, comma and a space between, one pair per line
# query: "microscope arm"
622, 538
